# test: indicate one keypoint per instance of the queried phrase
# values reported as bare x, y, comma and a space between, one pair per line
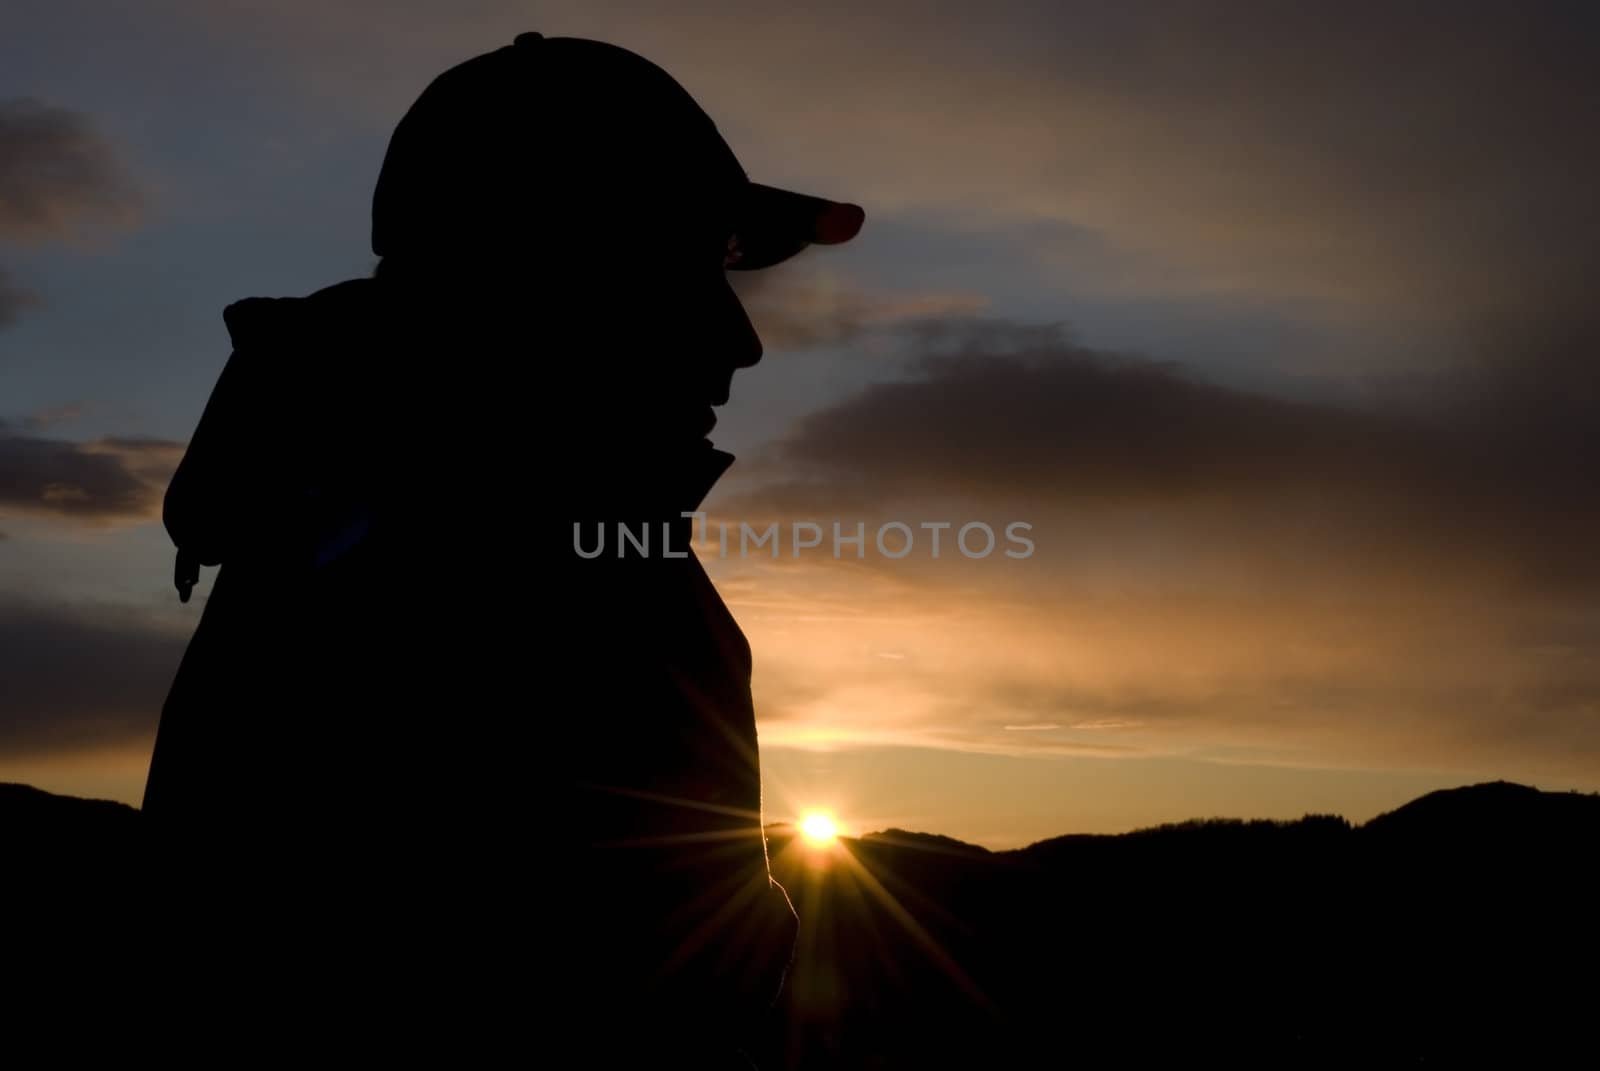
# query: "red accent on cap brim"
839, 222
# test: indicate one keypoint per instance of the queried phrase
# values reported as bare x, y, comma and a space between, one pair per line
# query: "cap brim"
773, 225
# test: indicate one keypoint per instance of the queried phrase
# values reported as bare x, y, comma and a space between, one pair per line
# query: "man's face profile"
660, 334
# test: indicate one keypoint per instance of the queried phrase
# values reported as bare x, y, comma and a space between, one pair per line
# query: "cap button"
530, 38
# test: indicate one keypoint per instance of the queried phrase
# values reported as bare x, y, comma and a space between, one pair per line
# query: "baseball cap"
569, 139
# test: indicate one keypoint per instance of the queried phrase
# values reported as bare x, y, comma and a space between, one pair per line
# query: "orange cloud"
104, 481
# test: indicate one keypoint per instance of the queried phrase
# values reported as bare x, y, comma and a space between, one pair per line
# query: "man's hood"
357, 329
262, 321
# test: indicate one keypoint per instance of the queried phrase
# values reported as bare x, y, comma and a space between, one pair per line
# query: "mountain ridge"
1441, 931
18, 799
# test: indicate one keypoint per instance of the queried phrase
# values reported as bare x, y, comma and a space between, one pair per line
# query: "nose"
735, 345
712, 337
749, 353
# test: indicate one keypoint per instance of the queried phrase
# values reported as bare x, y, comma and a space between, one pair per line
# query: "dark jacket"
408, 690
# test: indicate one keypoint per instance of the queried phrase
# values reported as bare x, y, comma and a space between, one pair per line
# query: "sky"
1271, 322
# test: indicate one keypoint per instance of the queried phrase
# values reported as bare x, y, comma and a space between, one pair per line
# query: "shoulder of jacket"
248, 320
260, 319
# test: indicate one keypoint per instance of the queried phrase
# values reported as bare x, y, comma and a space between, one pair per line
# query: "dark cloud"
77, 680
106, 480
1496, 472
992, 419
56, 172
13, 299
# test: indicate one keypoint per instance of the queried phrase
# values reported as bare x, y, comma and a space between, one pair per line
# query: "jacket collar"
702, 474
660, 496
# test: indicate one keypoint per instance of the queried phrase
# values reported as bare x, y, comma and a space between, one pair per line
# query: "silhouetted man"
412, 711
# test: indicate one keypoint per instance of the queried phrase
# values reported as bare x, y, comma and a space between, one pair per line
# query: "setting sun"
819, 829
